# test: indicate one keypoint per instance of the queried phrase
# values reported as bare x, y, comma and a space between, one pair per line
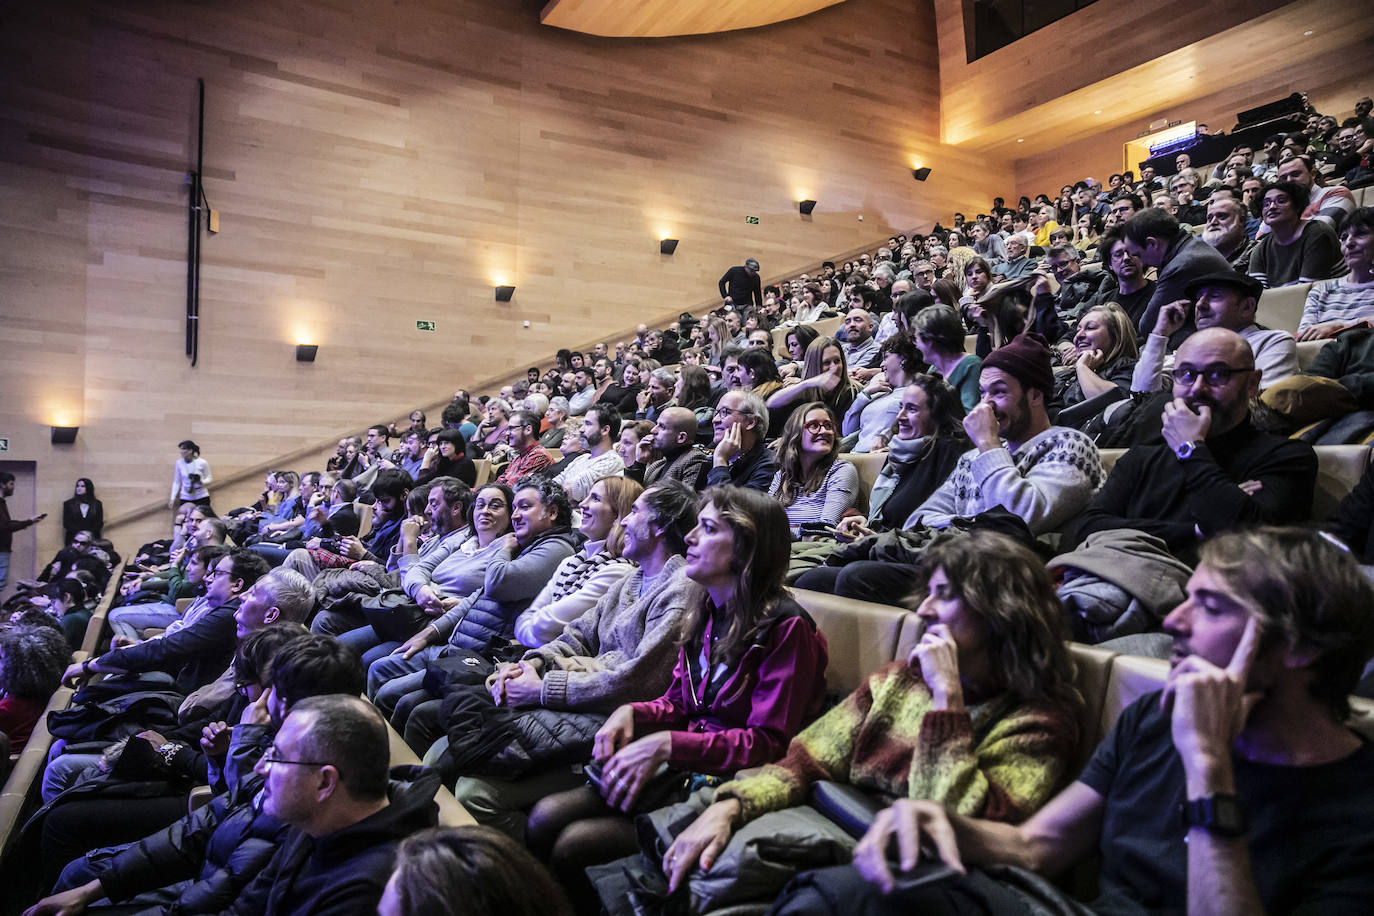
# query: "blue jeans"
4, 569
391, 678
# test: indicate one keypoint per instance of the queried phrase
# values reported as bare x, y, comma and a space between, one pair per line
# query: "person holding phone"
8, 526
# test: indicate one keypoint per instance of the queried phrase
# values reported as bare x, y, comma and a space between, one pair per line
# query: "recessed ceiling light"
1097, 111
1308, 32
1020, 139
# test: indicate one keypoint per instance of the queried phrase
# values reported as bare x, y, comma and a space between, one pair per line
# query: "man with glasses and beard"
1214, 470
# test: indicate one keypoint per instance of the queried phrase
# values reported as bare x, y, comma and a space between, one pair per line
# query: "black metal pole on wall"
193, 213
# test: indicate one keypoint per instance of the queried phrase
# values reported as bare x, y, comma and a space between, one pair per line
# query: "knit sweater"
586, 469
577, 584
1046, 482
998, 759
623, 649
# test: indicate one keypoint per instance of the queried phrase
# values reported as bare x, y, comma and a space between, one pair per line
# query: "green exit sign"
751, 220
425, 325
4, 445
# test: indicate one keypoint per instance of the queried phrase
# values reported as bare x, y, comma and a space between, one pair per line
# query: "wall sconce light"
64, 435
503, 293
806, 206
305, 353
921, 174
667, 246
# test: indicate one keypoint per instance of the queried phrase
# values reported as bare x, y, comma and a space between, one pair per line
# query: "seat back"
1110, 456
1339, 469
861, 637
868, 465
1281, 308
483, 471
1308, 350
1092, 675
364, 511
1130, 678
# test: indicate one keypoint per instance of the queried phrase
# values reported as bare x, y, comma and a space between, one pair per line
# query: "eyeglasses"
726, 411
818, 426
271, 759
1216, 375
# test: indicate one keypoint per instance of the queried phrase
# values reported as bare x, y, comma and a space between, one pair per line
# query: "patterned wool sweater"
997, 760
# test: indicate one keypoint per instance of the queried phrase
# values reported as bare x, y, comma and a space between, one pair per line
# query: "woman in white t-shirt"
190, 475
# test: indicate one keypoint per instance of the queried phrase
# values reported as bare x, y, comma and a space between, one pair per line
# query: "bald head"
676, 430
1215, 369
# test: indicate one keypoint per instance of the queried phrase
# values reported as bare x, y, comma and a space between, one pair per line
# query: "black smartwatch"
1222, 815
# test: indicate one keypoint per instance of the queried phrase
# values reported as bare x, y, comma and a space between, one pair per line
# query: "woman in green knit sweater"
980, 717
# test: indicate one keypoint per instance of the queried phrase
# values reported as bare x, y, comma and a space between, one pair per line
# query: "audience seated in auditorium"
740, 455
1294, 250
1101, 358
1227, 232
869, 420
980, 719
1042, 474
1214, 471
1347, 302
939, 335
621, 650
1267, 645
32, 660
813, 485
599, 432
1155, 239
1225, 299
763, 659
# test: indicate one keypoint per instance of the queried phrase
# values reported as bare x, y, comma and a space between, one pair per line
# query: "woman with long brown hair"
750, 673
812, 482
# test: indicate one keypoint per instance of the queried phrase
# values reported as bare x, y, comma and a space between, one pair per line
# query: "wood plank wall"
1333, 84
374, 163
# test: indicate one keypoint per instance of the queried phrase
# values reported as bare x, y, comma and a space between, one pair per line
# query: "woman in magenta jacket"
750, 674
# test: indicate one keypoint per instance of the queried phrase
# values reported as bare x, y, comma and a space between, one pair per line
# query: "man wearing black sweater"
1214, 470
741, 285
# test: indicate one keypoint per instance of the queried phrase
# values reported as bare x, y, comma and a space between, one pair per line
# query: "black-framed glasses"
724, 411
1215, 375
271, 759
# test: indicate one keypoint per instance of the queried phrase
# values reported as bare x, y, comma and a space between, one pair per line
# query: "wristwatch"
1185, 449
169, 752
1220, 814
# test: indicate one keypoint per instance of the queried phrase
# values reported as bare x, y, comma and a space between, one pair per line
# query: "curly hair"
32, 659
1007, 587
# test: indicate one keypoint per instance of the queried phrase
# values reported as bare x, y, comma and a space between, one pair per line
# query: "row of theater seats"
19, 798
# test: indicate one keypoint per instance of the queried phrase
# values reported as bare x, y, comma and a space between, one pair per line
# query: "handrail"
256, 470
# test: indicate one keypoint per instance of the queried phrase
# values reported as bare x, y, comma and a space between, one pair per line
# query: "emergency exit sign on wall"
4, 445
751, 220
425, 325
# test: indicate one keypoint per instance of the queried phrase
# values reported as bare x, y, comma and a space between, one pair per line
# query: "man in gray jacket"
620, 651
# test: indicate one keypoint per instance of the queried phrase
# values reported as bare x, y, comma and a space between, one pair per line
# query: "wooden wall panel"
375, 163
1113, 63
1333, 84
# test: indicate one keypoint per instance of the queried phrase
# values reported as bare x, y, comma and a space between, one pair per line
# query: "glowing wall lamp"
64, 435
504, 293
806, 206
921, 174
305, 353
667, 246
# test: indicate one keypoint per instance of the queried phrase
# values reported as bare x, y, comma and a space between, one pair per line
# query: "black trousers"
863, 580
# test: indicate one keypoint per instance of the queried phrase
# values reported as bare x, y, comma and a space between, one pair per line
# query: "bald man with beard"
1214, 470
674, 434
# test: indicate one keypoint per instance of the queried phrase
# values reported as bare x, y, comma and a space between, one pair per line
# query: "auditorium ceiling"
660, 18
